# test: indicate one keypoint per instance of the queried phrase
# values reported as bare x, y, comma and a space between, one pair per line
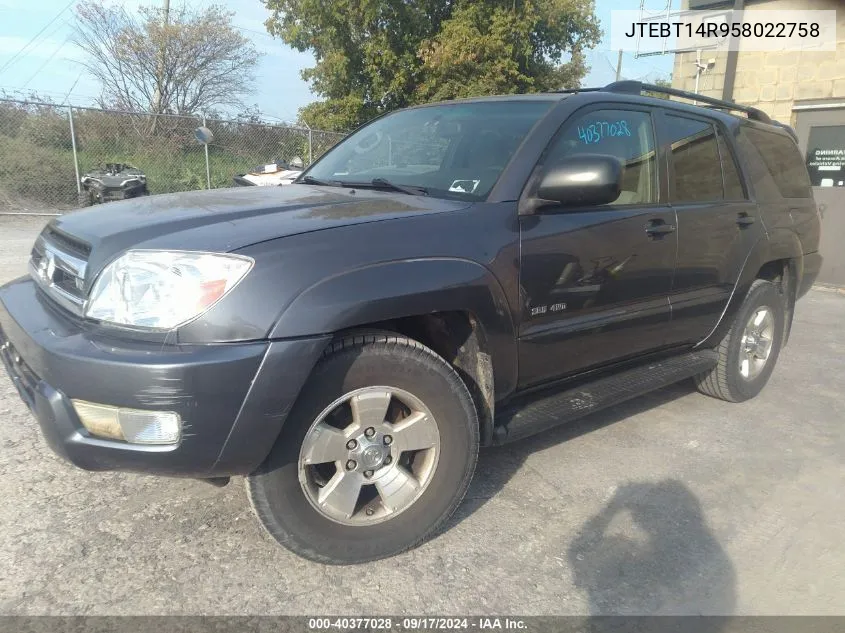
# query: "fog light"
149, 427
131, 425
99, 419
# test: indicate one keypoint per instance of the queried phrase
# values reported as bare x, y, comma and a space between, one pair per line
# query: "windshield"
454, 150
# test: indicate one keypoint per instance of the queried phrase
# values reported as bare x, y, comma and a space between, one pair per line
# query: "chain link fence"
46, 148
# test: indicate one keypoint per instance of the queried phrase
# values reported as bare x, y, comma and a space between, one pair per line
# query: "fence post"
73, 145
310, 160
207, 166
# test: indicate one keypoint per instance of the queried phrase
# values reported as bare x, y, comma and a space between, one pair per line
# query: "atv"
115, 181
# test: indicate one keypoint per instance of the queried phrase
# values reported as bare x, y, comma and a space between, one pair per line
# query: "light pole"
160, 69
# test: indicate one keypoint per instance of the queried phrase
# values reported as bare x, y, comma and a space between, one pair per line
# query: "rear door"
594, 281
717, 223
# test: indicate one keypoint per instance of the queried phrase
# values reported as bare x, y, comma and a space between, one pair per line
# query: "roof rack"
637, 87
569, 91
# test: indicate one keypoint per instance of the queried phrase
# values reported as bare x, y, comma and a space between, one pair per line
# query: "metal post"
733, 56
207, 166
698, 70
73, 145
310, 144
619, 66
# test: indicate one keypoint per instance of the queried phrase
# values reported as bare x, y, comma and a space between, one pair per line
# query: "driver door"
595, 281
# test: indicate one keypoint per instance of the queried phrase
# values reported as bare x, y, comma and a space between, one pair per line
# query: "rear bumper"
233, 398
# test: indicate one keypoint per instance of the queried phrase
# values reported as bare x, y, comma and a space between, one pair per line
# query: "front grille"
24, 379
58, 263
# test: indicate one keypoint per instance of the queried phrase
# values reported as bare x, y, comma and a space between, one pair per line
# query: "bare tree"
185, 61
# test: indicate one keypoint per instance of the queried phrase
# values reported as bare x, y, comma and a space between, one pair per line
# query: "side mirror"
203, 135
583, 180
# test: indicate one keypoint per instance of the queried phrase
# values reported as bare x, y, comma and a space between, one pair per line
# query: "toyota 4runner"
450, 276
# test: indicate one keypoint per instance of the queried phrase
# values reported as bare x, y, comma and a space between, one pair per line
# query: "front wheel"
376, 454
747, 355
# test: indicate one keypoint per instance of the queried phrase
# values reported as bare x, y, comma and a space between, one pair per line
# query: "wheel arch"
778, 258
421, 298
458, 337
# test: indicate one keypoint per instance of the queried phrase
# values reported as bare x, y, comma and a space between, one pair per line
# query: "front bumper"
233, 398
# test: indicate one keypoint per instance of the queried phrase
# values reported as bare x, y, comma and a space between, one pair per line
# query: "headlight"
163, 289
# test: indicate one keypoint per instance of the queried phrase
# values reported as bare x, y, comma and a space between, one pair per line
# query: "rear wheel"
747, 355
376, 454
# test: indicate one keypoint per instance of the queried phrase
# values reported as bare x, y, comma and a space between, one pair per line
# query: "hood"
223, 220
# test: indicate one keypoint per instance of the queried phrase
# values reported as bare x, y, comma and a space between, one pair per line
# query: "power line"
46, 61
36, 36
67, 96
264, 33
13, 90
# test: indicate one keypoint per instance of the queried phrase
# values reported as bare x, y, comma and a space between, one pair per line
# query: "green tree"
376, 55
663, 83
185, 61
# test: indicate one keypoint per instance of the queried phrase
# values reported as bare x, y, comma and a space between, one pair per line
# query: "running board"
548, 411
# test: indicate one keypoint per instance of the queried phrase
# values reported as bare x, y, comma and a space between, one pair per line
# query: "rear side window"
695, 156
783, 161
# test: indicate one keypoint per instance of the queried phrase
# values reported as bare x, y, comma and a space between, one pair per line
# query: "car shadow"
649, 550
498, 464
663, 559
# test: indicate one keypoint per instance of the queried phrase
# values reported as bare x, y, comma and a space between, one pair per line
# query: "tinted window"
695, 155
733, 182
783, 160
454, 150
625, 134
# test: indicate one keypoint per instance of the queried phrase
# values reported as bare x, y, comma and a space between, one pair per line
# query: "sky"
50, 63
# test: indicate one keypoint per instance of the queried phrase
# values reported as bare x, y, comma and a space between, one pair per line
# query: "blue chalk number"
596, 132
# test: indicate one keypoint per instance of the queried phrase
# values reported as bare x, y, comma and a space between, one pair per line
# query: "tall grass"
36, 157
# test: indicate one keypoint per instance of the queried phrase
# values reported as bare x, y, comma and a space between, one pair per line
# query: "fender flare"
781, 244
405, 288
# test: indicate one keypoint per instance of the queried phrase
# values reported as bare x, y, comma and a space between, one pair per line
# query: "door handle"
745, 220
658, 228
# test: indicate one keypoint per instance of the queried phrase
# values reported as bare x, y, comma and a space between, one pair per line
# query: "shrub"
37, 175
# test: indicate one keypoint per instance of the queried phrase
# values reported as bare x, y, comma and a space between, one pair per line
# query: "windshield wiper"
383, 183
310, 180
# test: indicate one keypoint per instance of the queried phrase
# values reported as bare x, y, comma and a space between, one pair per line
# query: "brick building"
803, 88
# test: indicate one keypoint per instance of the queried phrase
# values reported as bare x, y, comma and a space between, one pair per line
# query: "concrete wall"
773, 82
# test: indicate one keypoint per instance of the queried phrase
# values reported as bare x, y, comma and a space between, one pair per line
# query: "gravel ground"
673, 503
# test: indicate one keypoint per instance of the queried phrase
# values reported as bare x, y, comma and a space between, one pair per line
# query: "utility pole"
733, 56
619, 66
160, 69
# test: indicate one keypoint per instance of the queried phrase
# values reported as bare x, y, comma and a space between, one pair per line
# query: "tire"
285, 496
729, 379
